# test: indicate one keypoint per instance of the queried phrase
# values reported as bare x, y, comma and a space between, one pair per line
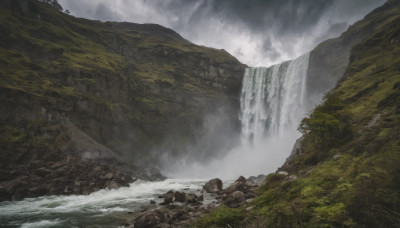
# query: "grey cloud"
257, 32
106, 14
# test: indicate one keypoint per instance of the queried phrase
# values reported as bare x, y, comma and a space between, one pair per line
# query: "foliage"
348, 167
328, 125
223, 217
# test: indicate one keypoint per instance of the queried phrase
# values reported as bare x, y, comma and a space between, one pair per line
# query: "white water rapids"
105, 208
272, 105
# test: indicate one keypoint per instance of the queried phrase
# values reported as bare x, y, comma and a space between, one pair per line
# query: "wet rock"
179, 197
42, 172
112, 185
213, 186
150, 219
192, 198
169, 197
108, 176
77, 187
152, 202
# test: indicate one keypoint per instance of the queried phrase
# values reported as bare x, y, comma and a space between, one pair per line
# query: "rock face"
105, 97
213, 186
332, 56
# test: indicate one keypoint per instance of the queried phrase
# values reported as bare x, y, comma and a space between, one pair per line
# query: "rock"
169, 197
150, 219
283, 173
108, 176
180, 197
250, 195
191, 198
201, 198
337, 156
42, 172
241, 179
291, 177
211, 206
77, 188
238, 196
152, 202
237, 186
112, 185
251, 184
213, 186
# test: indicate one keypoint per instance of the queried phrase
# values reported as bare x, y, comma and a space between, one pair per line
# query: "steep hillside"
332, 56
345, 170
80, 95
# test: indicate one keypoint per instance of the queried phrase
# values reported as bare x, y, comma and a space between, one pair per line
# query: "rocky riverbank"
180, 209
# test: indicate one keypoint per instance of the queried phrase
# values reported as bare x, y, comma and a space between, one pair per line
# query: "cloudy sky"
257, 32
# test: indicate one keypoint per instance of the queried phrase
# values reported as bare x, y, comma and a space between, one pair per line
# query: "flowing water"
105, 208
272, 105
273, 99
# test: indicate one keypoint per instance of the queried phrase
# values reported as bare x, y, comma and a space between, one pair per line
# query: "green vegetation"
125, 85
348, 167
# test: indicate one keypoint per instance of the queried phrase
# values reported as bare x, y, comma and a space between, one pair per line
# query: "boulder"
150, 219
169, 197
237, 186
238, 196
192, 198
213, 186
112, 185
241, 179
108, 176
179, 196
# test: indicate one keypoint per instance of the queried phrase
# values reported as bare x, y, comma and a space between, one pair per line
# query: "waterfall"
273, 99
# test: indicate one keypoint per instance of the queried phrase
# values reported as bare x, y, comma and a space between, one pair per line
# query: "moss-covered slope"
125, 88
345, 172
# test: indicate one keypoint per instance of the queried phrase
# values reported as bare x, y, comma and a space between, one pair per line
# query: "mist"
244, 160
258, 33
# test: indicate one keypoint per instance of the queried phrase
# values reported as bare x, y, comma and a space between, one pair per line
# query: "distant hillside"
344, 172
109, 93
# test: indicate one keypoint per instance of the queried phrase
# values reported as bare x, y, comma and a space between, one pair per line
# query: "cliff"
84, 103
344, 171
329, 60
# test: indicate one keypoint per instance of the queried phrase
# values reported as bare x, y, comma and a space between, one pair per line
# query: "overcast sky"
257, 32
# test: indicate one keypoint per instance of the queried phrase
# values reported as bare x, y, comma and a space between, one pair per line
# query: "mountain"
344, 171
85, 103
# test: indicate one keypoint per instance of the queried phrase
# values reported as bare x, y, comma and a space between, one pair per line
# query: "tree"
328, 125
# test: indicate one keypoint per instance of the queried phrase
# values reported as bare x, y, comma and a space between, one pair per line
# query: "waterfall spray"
273, 101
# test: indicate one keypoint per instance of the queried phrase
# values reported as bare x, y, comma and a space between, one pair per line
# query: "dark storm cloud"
257, 32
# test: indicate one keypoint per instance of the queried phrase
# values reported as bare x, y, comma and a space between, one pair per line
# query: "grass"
354, 181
